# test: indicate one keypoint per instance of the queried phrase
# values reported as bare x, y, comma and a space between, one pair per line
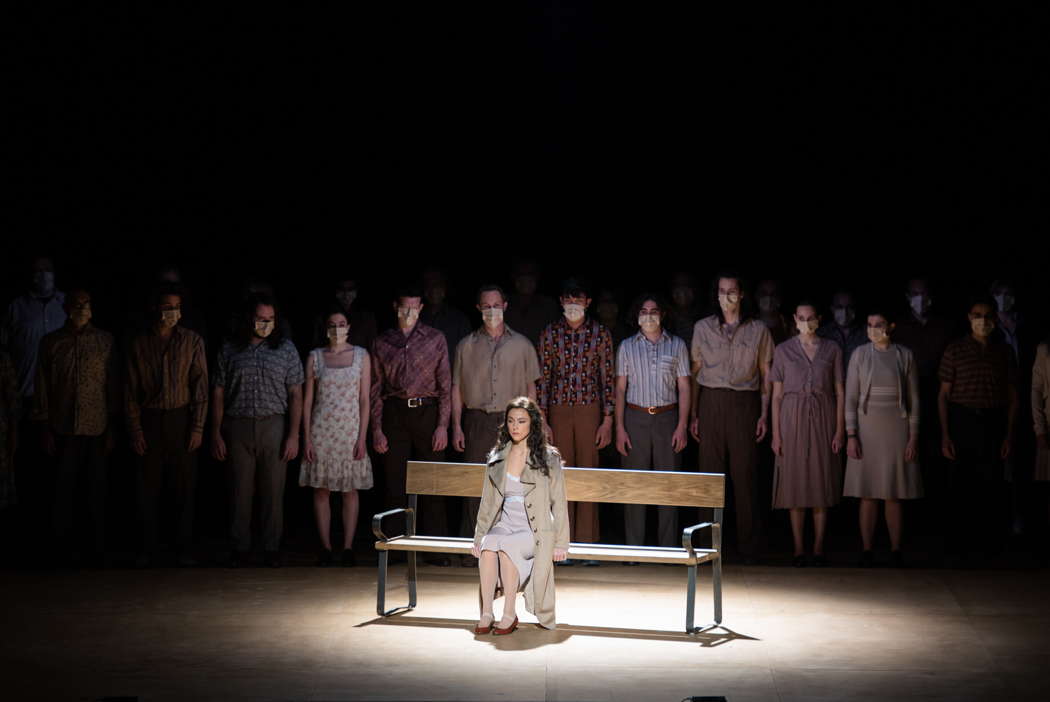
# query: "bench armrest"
377, 522
716, 537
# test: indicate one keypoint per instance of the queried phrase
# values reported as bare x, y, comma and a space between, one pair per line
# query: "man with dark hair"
166, 401
257, 399
978, 409
76, 397
440, 315
411, 403
731, 355
576, 394
40, 311
843, 327
362, 321
492, 366
529, 311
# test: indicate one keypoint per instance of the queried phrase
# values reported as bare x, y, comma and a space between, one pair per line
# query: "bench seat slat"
598, 552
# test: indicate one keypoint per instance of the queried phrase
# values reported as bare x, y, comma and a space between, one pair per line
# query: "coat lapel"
497, 471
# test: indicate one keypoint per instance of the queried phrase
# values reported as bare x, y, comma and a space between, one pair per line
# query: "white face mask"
806, 327
169, 318
407, 316
263, 328
843, 316
492, 317
729, 302
43, 283
573, 312
338, 335
649, 322
1005, 302
918, 304
876, 334
982, 327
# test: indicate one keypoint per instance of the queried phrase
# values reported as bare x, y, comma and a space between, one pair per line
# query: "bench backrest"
633, 487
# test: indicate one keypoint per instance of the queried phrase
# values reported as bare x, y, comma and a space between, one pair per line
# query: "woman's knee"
321, 493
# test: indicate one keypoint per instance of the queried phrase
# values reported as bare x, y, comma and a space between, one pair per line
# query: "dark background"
622, 141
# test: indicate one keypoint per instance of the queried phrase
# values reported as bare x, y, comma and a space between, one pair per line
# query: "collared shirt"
411, 366
492, 372
76, 381
255, 378
733, 362
577, 365
980, 375
166, 374
849, 340
27, 320
927, 342
652, 369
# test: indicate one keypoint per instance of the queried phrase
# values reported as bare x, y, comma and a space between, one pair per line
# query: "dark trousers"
480, 431
170, 467
409, 433
728, 419
81, 470
254, 448
976, 485
574, 428
650, 436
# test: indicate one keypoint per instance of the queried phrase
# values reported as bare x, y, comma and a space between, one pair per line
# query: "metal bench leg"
690, 600
381, 584
384, 557
716, 568
411, 579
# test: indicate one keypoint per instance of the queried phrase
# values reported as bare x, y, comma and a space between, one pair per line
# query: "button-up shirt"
980, 375
27, 320
255, 378
652, 369
492, 372
849, 339
731, 361
577, 365
411, 366
166, 374
76, 381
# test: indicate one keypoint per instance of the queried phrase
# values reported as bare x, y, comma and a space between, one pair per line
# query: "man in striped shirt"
652, 408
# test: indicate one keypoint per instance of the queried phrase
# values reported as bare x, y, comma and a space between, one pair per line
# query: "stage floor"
313, 634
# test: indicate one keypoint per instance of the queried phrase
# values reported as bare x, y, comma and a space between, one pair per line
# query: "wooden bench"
674, 488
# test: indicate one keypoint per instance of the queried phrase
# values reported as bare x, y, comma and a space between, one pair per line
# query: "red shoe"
496, 631
484, 629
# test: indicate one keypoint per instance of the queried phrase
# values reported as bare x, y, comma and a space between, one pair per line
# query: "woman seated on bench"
523, 521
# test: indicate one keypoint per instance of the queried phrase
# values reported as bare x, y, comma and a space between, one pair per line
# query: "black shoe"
325, 559
592, 562
347, 560
819, 561
631, 563
273, 559
867, 559
896, 559
235, 559
799, 561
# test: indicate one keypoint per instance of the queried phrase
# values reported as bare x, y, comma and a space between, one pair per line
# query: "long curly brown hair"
536, 441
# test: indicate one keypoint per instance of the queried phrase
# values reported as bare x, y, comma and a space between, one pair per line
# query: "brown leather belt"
653, 410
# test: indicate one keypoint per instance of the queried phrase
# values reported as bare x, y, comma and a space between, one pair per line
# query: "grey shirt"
255, 379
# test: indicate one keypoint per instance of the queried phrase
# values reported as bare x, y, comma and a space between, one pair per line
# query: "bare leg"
820, 522
798, 528
323, 515
868, 515
894, 522
488, 569
350, 509
509, 576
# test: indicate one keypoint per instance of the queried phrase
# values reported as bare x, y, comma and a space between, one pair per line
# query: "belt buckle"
651, 410
414, 402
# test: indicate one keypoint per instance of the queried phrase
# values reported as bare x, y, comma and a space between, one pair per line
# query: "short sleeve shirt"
255, 378
980, 375
492, 372
652, 369
731, 362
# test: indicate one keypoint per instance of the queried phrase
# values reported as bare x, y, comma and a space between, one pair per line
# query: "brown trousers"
727, 445
574, 428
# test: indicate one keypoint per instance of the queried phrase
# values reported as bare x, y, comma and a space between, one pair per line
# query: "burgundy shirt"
411, 366
577, 365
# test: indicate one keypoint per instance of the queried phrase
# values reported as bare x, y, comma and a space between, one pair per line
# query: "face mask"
806, 327
729, 302
768, 303
843, 316
338, 334
981, 327
573, 313
917, 303
43, 283
346, 297
526, 285
876, 334
407, 316
1005, 302
263, 329
169, 318
649, 322
493, 317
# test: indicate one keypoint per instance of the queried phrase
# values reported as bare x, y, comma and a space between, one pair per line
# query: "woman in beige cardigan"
523, 521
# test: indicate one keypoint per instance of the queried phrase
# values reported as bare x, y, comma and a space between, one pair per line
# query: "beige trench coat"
547, 511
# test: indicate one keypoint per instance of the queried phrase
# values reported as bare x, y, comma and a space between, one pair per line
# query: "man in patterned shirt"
257, 399
576, 395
